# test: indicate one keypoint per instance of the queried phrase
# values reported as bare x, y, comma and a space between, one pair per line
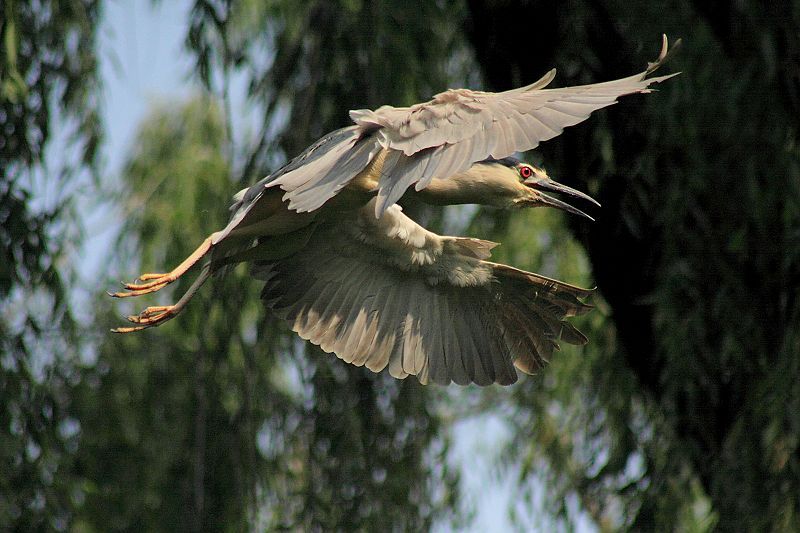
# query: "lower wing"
388, 293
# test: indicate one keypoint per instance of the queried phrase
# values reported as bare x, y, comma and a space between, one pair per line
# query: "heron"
349, 271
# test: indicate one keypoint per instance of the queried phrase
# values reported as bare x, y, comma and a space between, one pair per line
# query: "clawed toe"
150, 317
149, 276
154, 316
132, 289
152, 281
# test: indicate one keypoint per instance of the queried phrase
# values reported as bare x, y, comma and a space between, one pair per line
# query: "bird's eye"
525, 172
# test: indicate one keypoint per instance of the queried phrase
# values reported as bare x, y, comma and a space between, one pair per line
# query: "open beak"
540, 183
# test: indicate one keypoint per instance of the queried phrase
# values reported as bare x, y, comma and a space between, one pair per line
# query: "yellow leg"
157, 315
156, 282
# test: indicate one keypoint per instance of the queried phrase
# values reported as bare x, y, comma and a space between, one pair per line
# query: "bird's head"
525, 185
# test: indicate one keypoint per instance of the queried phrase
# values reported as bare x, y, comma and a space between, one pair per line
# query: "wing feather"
359, 318
490, 124
349, 308
385, 338
429, 341
437, 138
477, 336
571, 335
359, 289
399, 173
527, 357
325, 333
520, 134
314, 187
454, 344
411, 335
396, 361
500, 353
356, 326
444, 368
471, 354
300, 313
531, 332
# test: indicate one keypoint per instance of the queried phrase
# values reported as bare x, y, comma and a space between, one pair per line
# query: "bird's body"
349, 271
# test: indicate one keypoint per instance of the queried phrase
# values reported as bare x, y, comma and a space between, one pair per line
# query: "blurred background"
126, 126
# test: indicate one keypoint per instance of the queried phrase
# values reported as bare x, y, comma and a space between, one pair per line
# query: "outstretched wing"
452, 131
388, 293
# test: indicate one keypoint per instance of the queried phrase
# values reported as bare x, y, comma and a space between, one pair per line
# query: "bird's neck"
474, 186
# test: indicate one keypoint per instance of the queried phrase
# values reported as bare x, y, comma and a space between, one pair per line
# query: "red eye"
525, 172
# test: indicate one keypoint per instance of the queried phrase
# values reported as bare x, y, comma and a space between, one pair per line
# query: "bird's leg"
156, 282
157, 315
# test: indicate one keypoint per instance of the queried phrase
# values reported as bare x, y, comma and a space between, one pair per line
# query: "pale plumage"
351, 273
388, 293
448, 134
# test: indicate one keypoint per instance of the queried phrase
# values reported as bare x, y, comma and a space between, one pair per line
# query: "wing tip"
664, 55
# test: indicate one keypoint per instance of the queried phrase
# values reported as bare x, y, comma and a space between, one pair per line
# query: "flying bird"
350, 272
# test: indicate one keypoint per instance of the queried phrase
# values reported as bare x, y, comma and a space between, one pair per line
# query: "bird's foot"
157, 315
154, 282
150, 317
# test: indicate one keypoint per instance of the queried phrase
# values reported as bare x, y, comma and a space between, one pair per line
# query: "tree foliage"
172, 414
682, 416
47, 69
374, 466
681, 413
340, 447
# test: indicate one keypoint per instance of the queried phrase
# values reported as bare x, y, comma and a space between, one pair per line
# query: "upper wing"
329, 156
459, 127
390, 293
451, 132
